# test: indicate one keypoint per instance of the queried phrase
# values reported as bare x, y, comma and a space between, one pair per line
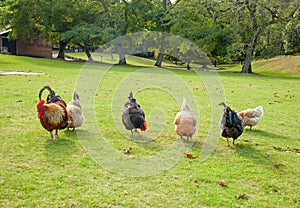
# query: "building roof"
3, 32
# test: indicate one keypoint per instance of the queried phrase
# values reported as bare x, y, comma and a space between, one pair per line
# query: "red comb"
144, 126
42, 102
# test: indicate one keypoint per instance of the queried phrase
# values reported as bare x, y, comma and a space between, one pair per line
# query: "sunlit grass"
38, 172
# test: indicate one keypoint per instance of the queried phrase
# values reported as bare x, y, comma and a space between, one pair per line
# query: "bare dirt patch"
19, 73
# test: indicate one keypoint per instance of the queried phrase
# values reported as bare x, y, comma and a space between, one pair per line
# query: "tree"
60, 17
252, 17
87, 32
22, 17
123, 17
164, 28
87, 36
292, 35
202, 24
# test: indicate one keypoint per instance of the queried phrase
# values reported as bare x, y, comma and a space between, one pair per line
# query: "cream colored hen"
75, 115
185, 121
251, 117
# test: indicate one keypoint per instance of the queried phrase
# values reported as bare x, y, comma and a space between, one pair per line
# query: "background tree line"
227, 31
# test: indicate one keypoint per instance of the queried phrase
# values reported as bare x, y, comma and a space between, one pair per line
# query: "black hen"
133, 116
232, 124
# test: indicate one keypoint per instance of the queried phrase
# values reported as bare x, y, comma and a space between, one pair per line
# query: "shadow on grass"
251, 153
224, 72
141, 138
62, 146
59, 144
261, 133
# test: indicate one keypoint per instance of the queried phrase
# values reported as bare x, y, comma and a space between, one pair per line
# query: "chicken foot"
133, 130
53, 136
227, 142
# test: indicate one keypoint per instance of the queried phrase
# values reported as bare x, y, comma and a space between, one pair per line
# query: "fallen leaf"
287, 149
277, 165
222, 183
278, 148
127, 150
239, 196
190, 156
196, 183
19, 101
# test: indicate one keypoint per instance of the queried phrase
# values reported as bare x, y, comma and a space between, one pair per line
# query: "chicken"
232, 125
251, 117
75, 115
185, 121
53, 114
133, 116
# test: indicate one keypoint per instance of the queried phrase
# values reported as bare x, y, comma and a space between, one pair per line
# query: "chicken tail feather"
75, 96
260, 111
51, 91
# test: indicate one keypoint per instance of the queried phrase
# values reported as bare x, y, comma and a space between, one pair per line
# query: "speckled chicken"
133, 116
232, 125
185, 121
75, 115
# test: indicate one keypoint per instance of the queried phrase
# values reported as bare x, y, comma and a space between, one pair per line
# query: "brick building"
37, 47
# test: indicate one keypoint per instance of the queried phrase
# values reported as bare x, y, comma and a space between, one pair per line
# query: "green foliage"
22, 17
225, 30
292, 35
271, 42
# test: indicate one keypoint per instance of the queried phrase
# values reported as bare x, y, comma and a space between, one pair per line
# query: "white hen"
185, 121
251, 117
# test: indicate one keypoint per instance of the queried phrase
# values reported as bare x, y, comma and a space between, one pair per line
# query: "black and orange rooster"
133, 116
232, 125
52, 114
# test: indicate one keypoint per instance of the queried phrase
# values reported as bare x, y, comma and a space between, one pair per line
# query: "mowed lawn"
67, 172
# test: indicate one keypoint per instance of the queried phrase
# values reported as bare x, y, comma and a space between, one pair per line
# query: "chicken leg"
227, 142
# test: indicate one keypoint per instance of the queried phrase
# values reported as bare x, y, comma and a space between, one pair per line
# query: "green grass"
38, 172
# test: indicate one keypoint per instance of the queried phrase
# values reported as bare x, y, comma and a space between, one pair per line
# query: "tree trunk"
188, 66
159, 60
160, 57
247, 68
88, 54
62, 47
122, 57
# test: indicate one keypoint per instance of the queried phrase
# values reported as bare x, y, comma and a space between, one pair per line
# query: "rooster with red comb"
52, 114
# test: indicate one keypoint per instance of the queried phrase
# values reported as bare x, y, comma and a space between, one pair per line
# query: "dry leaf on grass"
190, 156
196, 183
222, 183
127, 150
240, 196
